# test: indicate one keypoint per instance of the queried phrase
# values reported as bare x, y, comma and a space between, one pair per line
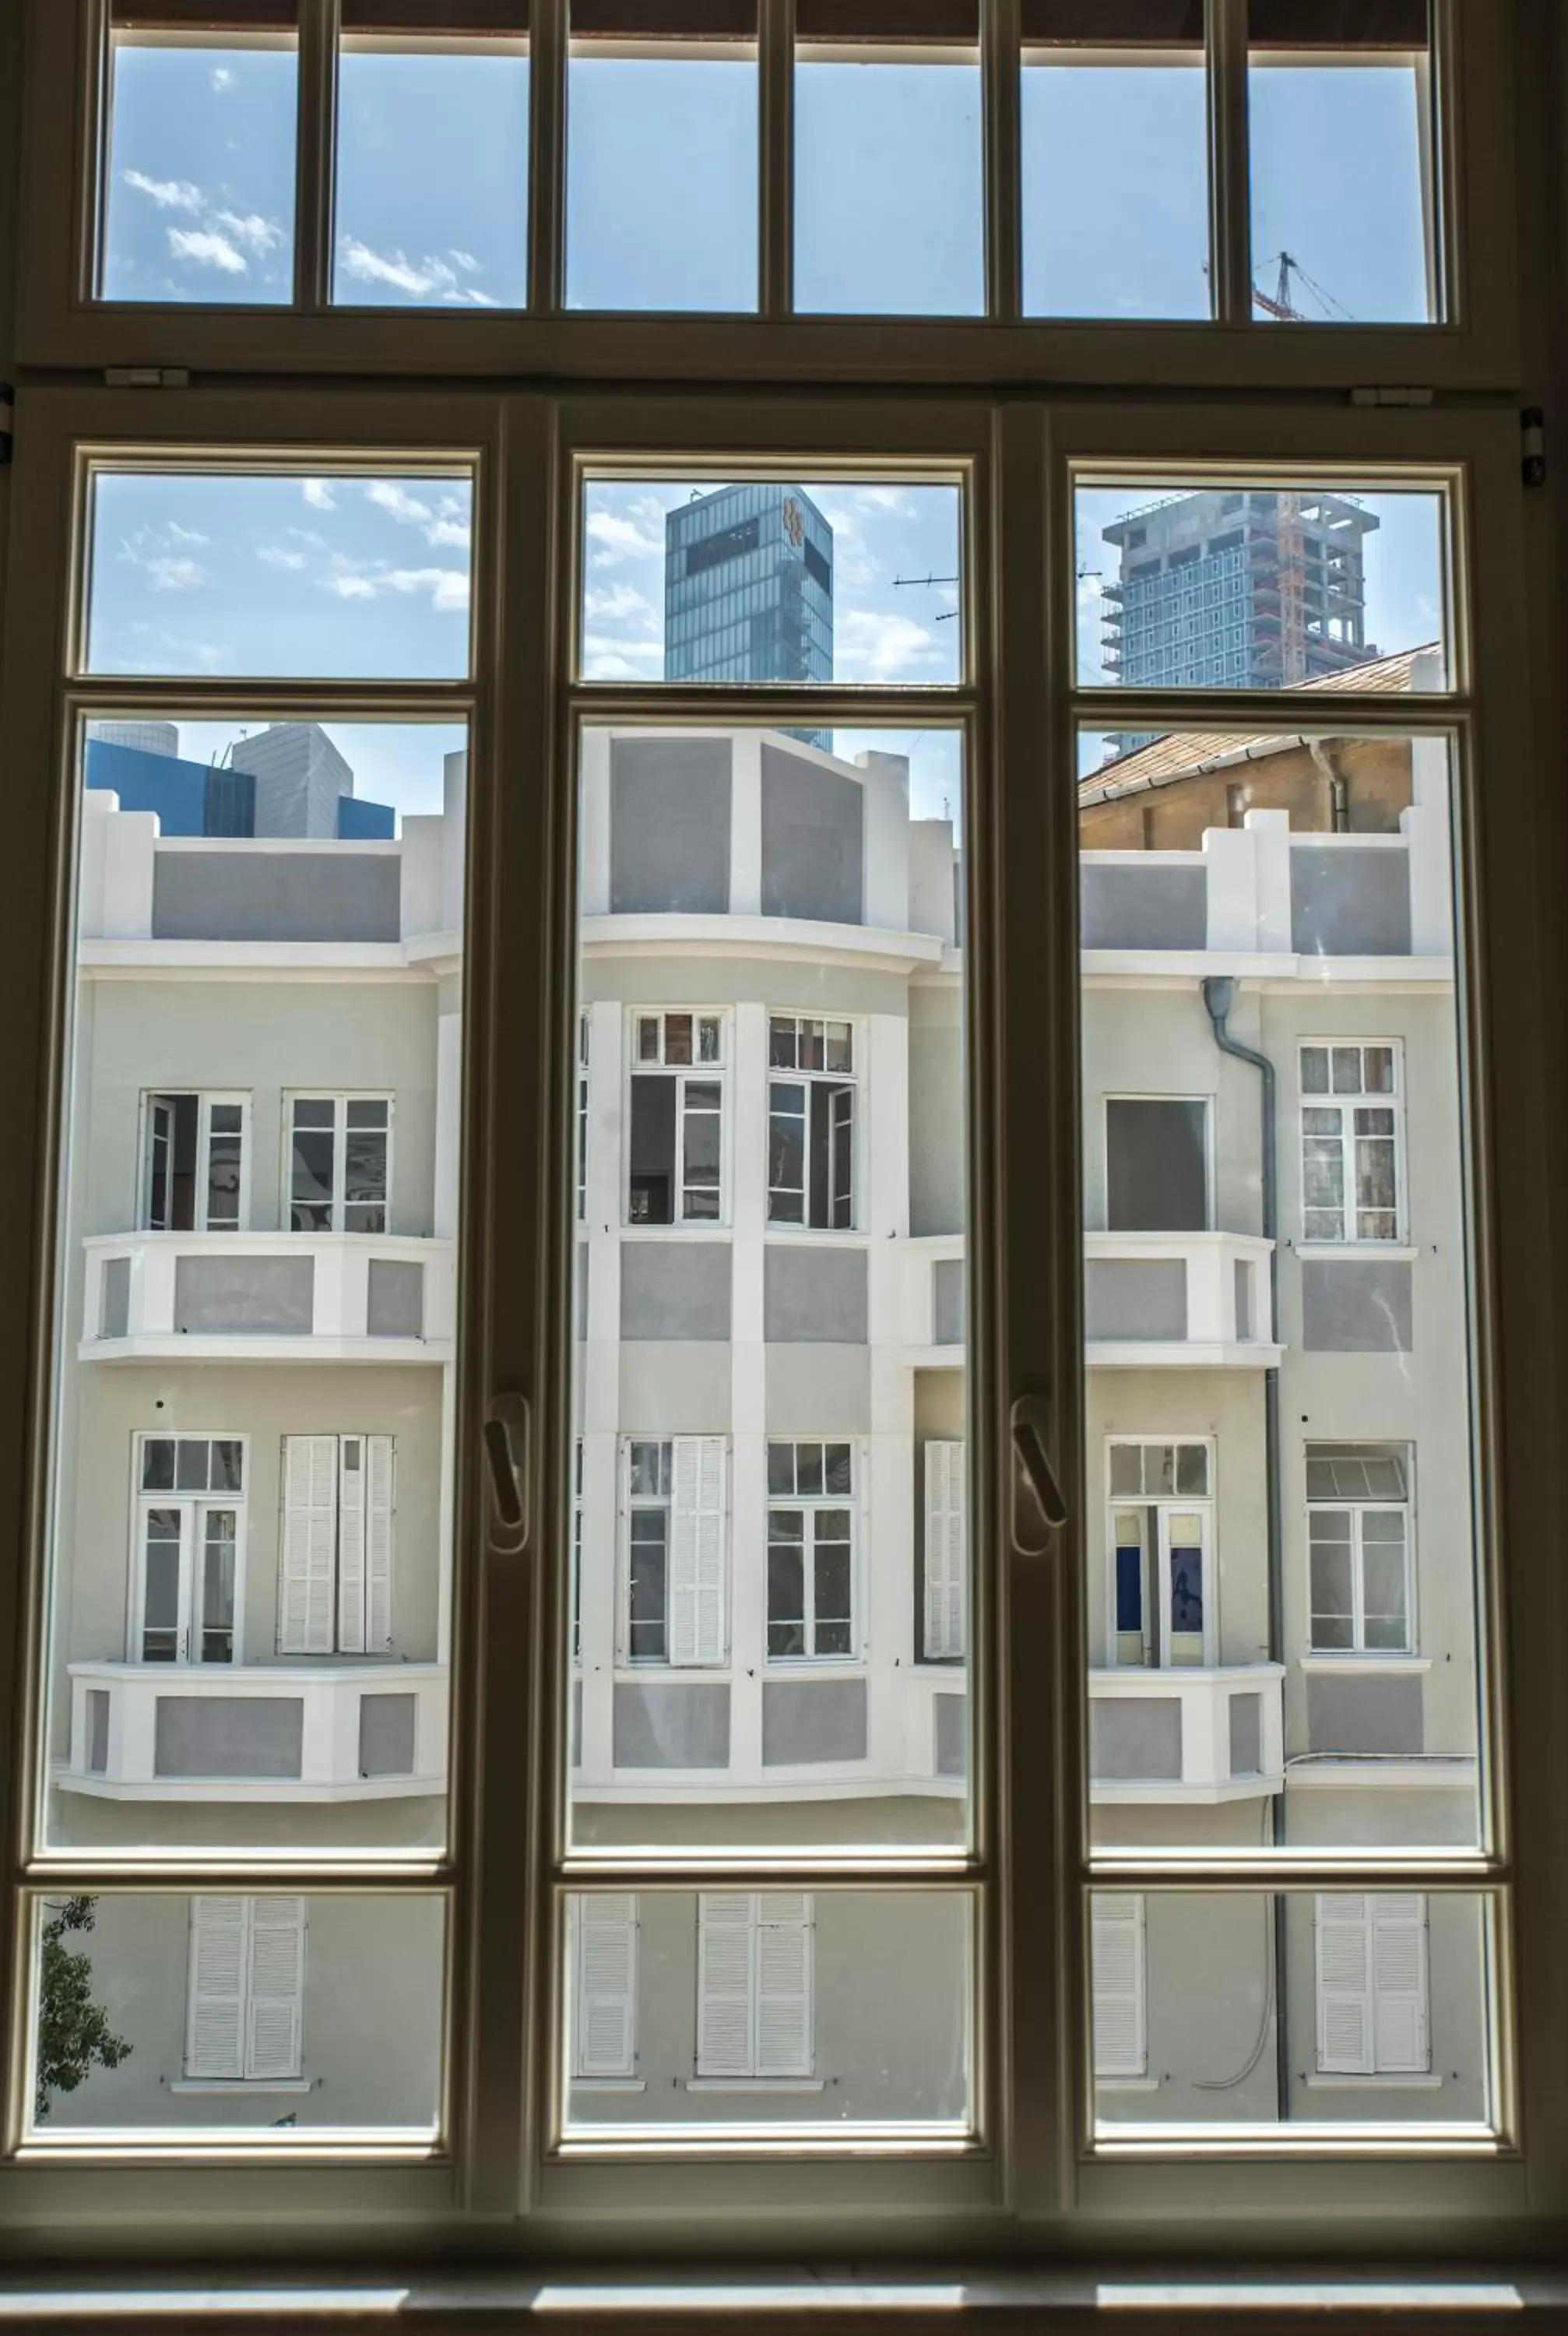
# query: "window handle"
1030, 1421
509, 1447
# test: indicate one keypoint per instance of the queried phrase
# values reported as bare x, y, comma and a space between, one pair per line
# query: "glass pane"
889, 205
768, 581
267, 875
661, 156
1119, 80
431, 181
773, 2009
1385, 1999
294, 577
212, 2016
1340, 132
1260, 587
1238, 1738
199, 177
776, 1366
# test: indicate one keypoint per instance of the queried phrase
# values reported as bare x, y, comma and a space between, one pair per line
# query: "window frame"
836, 1083
205, 1097
1360, 1651
340, 1098
141, 1501
1393, 1102
811, 1504
681, 1075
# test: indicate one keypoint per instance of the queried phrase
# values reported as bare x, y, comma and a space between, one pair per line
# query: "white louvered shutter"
1344, 1984
697, 1550
351, 1525
607, 1984
305, 1583
1400, 2043
215, 1989
947, 1550
381, 1501
725, 2003
276, 2010
1120, 2036
783, 1940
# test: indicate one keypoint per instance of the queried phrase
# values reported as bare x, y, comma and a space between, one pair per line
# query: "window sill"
241, 2088
755, 2084
1126, 2083
1402, 1252
1394, 1666
1406, 2081
609, 2085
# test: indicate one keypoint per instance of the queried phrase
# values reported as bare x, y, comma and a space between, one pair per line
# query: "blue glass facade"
748, 588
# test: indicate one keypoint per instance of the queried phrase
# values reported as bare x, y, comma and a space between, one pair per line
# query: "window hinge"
1533, 445
1385, 395
147, 377
7, 413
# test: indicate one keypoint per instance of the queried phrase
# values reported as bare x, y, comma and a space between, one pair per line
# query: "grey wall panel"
947, 1301
952, 1735
1244, 1293
1134, 1297
1144, 908
261, 1295
339, 895
669, 1388
579, 1291
815, 1295
387, 1726
1246, 1735
97, 1729
228, 1736
1156, 1164
396, 1305
812, 840
815, 1390
1349, 902
1349, 1308
1137, 1740
670, 1724
114, 1320
806, 1721
670, 826
1375, 1713
675, 1290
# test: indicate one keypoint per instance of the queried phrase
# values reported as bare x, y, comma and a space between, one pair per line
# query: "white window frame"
1380, 1929
1206, 1507
258, 2062
1345, 1106
192, 1506
811, 1506
206, 1099
1140, 1095
340, 1098
758, 1924
357, 1588
706, 1645
839, 1084
1358, 1509
684, 1075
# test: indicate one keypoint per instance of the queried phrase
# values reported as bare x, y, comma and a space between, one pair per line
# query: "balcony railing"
1180, 1734
268, 1297
341, 1731
1186, 1298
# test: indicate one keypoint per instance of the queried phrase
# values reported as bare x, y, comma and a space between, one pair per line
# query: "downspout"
1219, 994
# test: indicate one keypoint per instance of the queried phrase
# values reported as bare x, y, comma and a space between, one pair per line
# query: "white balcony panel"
1186, 1736
1182, 1301
261, 1732
267, 1297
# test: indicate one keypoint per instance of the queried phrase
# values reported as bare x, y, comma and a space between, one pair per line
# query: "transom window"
1350, 1158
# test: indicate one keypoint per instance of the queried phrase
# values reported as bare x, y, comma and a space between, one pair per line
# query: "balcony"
339, 1731
1192, 1300
1186, 1736
279, 1297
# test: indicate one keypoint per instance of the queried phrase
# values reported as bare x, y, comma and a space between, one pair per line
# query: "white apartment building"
770, 1553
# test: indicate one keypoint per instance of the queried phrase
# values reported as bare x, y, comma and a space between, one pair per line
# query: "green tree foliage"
73, 2032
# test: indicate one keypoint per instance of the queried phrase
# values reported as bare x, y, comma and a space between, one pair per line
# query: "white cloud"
439, 526
166, 568
389, 497
618, 604
222, 78
615, 535
175, 533
465, 260
169, 194
417, 277
180, 655
878, 648
350, 588
275, 555
318, 494
469, 295
207, 248
256, 234
606, 658
367, 580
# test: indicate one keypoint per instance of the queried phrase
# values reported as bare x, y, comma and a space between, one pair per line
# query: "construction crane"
1280, 303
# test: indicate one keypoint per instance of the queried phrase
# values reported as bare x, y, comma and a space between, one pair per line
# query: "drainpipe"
1219, 996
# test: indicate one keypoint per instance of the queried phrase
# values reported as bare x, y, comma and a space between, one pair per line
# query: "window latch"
1034, 1485
508, 1446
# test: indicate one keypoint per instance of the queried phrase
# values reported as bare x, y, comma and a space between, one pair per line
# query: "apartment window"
945, 1568
339, 1163
195, 1163
811, 1551
1359, 1548
189, 1529
1372, 1984
676, 1142
811, 1122
1351, 1170
1156, 1164
602, 1941
676, 1592
335, 1573
245, 1996
756, 1968
1162, 1537
1119, 1985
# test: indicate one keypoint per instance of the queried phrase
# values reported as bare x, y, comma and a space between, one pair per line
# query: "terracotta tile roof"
1181, 752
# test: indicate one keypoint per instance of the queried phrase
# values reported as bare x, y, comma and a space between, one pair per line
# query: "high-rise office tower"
143, 737
299, 776
748, 590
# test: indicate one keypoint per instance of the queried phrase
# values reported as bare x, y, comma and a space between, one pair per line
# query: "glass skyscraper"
748, 590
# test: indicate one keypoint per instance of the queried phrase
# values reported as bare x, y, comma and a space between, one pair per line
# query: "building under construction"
1226, 589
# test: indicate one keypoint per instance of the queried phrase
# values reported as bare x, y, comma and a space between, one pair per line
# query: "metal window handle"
1030, 1421
509, 1448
